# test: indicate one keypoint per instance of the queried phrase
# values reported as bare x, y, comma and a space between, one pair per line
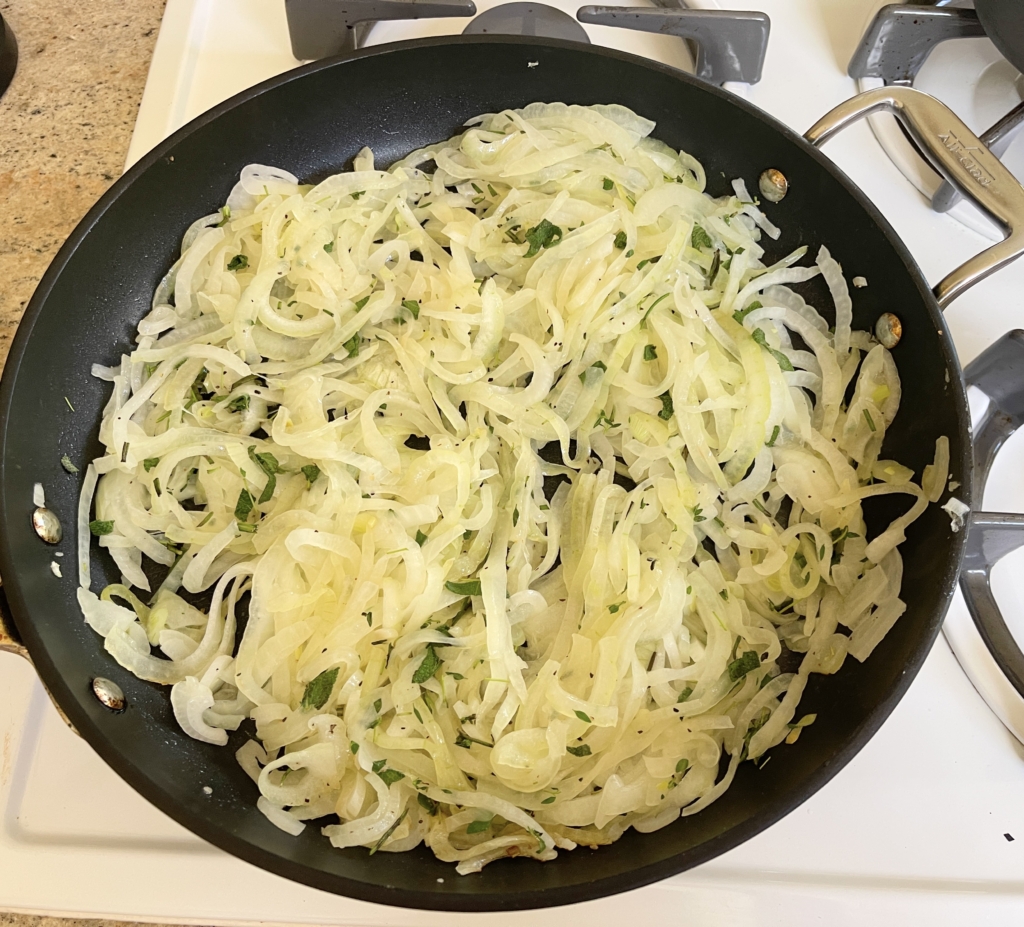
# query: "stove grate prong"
999, 373
321, 28
731, 45
901, 37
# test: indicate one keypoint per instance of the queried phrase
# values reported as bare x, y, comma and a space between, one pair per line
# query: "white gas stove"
925, 826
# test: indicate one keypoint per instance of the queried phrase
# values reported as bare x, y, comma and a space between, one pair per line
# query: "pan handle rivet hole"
109, 694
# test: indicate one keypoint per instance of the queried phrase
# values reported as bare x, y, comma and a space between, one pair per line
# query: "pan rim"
136, 776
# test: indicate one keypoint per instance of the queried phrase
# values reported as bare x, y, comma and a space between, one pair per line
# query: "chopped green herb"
401, 817
239, 403
100, 528
608, 184
515, 516
643, 321
458, 677
469, 587
421, 538
741, 314
774, 437
311, 472
156, 486
870, 421
329, 247
614, 608
267, 462
477, 827
430, 664
225, 214
583, 716
783, 361
427, 803
581, 750
362, 302
544, 235
238, 262
745, 664
667, 409
700, 239
244, 505
682, 766
650, 352
412, 306
492, 191
358, 194
318, 690
150, 462
208, 516
378, 765
353, 746
630, 253
620, 240
716, 263
247, 528
463, 739
352, 345
685, 694
549, 800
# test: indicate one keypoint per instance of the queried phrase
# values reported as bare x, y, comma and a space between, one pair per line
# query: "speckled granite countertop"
65, 123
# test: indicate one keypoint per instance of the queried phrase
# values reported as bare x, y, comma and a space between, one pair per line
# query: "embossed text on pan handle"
960, 157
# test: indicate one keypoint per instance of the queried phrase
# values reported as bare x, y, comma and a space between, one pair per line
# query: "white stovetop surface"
911, 832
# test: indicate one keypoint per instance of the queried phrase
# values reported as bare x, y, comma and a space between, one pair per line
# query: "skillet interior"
312, 122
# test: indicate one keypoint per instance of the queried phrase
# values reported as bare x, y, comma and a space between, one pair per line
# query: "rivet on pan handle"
960, 157
999, 373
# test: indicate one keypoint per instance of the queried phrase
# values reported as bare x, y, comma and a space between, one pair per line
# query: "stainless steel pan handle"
10, 642
960, 157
